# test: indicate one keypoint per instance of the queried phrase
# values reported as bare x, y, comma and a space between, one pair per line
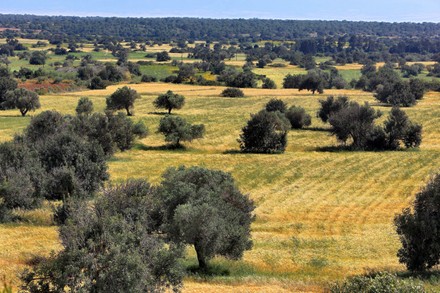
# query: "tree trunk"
128, 112
169, 110
203, 265
23, 112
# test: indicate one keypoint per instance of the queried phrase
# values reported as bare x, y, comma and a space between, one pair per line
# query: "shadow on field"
165, 147
334, 149
211, 271
432, 276
318, 129
160, 113
232, 152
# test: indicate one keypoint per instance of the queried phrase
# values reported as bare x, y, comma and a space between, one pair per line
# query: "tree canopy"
205, 208
123, 98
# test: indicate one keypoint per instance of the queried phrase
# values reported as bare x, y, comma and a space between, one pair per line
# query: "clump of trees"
418, 229
176, 129
316, 80
133, 237
169, 101
61, 157
111, 245
122, 98
388, 86
266, 131
354, 123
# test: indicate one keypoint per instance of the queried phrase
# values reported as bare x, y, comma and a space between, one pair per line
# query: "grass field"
322, 215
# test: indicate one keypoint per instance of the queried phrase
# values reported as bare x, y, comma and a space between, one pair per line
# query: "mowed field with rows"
322, 214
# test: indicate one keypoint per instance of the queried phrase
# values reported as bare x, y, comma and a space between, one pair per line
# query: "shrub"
232, 93
298, 117
266, 132
382, 282
148, 78
269, 84
276, 105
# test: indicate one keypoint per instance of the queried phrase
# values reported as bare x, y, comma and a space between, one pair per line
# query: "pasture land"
322, 214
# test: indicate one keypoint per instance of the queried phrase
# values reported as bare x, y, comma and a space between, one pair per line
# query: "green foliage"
276, 105
298, 117
96, 83
354, 122
269, 84
204, 208
176, 130
38, 58
148, 78
379, 283
84, 107
266, 132
419, 229
330, 106
110, 246
231, 92
163, 56
122, 98
314, 81
22, 99
169, 101
6, 84
292, 81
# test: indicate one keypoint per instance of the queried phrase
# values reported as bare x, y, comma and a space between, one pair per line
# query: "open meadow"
322, 214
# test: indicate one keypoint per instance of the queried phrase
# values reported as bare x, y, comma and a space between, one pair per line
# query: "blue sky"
369, 10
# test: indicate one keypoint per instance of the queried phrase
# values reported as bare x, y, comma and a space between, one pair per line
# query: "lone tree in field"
110, 246
266, 132
84, 107
122, 98
419, 229
176, 130
169, 101
22, 99
204, 208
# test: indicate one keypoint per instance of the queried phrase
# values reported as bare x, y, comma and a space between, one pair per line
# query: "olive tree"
177, 129
169, 101
111, 245
84, 107
298, 117
419, 229
22, 99
204, 208
265, 132
123, 98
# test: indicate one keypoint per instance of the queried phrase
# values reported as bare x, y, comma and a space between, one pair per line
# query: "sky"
356, 10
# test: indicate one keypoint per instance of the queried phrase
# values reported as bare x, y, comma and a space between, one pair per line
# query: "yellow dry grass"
321, 215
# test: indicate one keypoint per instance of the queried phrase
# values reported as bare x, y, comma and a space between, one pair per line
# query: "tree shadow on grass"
212, 270
333, 149
232, 152
432, 276
160, 113
166, 147
318, 129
